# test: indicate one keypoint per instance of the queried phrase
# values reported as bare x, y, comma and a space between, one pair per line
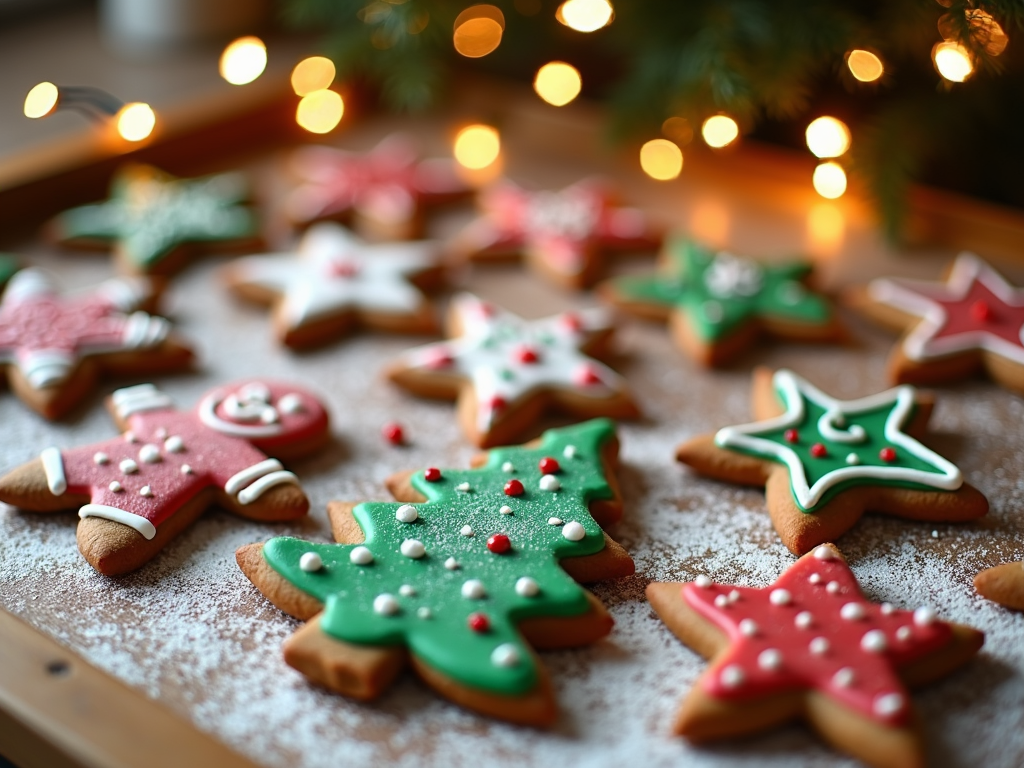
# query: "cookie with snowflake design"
718, 304
136, 492
156, 223
973, 322
825, 462
464, 577
562, 235
810, 647
505, 372
55, 346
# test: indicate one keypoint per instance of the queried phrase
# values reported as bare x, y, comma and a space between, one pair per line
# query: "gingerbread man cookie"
811, 647
155, 222
563, 235
136, 492
973, 321
825, 462
335, 281
54, 346
505, 371
718, 304
464, 579
385, 191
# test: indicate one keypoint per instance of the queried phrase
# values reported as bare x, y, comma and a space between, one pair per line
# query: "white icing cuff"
53, 466
142, 330
139, 523
257, 489
248, 475
144, 397
45, 368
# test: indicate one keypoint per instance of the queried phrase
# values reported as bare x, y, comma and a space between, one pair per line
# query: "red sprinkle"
431, 474
819, 451
513, 488
497, 402
438, 359
887, 454
586, 376
344, 269
548, 466
393, 433
499, 543
982, 312
572, 321
526, 355
791, 435
478, 622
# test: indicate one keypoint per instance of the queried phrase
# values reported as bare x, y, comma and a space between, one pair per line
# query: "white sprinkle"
721, 601
310, 562
748, 628
574, 531
832, 587
886, 608
291, 403
473, 589
554, 521
874, 641
815, 578
464, 487
385, 605
149, 454
732, 676
505, 655
824, 552
527, 587
549, 483
186, 469
888, 704
803, 620
924, 616
852, 612
360, 556
844, 677
734, 596
406, 514
413, 549
100, 458
466, 530
115, 486
128, 467
569, 451
904, 633
508, 466
506, 510
451, 564
780, 597
174, 444
161, 433
819, 646
424, 612
702, 581
769, 660
852, 459
146, 491
935, 534
407, 590
129, 436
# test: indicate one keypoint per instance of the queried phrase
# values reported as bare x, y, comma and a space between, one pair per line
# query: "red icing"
343, 268
586, 376
432, 474
791, 435
393, 433
887, 454
513, 488
572, 321
806, 581
499, 544
982, 312
438, 358
548, 466
526, 355
819, 451
496, 403
478, 622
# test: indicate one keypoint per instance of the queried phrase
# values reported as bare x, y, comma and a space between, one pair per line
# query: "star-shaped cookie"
973, 321
563, 235
825, 462
155, 222
718, 304
811, 647
506, 371
334, 281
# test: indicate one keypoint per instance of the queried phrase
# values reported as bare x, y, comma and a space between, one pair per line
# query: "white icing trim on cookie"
143, 397
208, 415
53, 466
139, 523
240, 480
262, 485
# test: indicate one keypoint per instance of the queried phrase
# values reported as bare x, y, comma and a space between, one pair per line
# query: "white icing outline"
53, 466
265, 483
142, 397
241, 479
792, 389
208, 415
138, 522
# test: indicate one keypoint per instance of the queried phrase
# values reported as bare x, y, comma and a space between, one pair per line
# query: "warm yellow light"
828, 137
135, 121
864, 65
320, 111
41, 100
661, 159
710, 223
826, 228
585, 15
243, 60
719, 131
830, 180
952, 61
477, 146
478, 30
558, 83
313, 74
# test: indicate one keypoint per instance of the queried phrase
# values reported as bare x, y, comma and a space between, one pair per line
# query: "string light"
828, 137
41, 100
477, 146
478, 30
320, 111
135, 121
312, 74
585, 15
558, 83
952, 61
719, 131
661, 159
830, 180
243, 60
864, 65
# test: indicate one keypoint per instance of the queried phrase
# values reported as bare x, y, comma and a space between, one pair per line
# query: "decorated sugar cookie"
155, 222
53, 345
385, 191
136, 492
718, 303
505, 371
810, 647
335, 281
972, 322
562, 235
825, 462
470, 573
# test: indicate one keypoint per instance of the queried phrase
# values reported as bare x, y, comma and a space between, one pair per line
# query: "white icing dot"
904, 633
935, 534
129, 436
815, 578
186, 469
780, 597
406, 514
924, 616
466, 530
824, 552
360, 556
473, 589
146, 491
506, 510
161, 433
573, 531
115, 486
721, 601
732, 676
100, 458
407, 590
832, 587
310, 562
128, 466
554, 521
174, 444
451, 564
734, 596
819, 646
527, 587
149, 454
888, 704
464, 487
844, 677
424, 613
291, 403
886, 608
770, 660
852, 459
385, 605
702, 581
852, 612
413, 548
508, 466
874, 641
505, 655
748, 628
803, 620
569, 451
549, 483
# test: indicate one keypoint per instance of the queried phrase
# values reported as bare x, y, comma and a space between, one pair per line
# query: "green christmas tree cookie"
478, 570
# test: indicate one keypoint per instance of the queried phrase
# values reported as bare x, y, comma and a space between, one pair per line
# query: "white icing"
804, 620
138, 399
550, 483
407, 590
824, 552
99, 458
407, 514
888, 704
139, 523
451, 564
505, 655
473, 589
833, 587
311, 562
360, 556
508, 467
874, 641
241, 479
146, 491
174, 444
291, 403
732, 676
466, 530
463, 487
385, 605
527, 587
819, 646
208, 415
505, 510
780, 597
702, 581
924, 617
554, 521
844, 677
413, 549
149, 454
115, 486
186, 469
569, 451
770, 660
748, 627
729, 275
721, 601
251, 493
852, 612
128, 466
904, 633
424, 613
53, 466
573, 531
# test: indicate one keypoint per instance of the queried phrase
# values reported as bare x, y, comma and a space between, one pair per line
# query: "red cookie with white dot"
136, 492
811, 647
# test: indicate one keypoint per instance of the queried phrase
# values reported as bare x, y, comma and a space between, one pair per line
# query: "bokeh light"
678, 130
135, 121
719, 131
585, 15
477, 146
320, 111
243, 60
315, 73
828, 137
826, 228
478, 30
864, 65
661, 159
952, 61
558, 83
830, 180
41, 100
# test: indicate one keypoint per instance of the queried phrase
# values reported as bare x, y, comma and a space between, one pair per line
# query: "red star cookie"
562, 235
973, 321
137, 492
810, 646
53, 346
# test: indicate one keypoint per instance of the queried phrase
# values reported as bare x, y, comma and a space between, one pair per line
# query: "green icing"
9, 264
444, 640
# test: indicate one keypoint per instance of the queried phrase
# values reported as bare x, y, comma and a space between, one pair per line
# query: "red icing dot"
478, 622
496, 403
887, 454
548, 466
586, 376
392, 432
344, 269
526, 355
513, 488
791, 435
499, 543
819, 451
982, 312
439, 359
572, 321
431, 474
